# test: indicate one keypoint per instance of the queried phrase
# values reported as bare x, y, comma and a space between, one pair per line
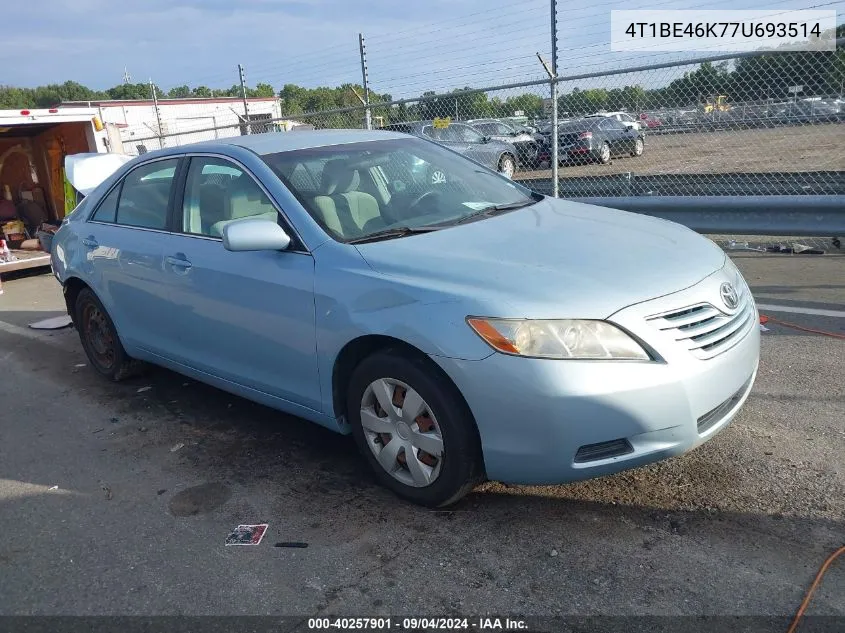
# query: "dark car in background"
525, 142
462, 138
595, 140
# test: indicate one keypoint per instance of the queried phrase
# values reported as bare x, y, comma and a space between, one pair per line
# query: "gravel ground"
150, 481
798, 148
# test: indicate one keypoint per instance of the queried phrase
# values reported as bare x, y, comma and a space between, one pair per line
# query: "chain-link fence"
751, 124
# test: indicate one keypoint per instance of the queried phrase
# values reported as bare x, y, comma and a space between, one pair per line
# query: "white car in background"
623, 117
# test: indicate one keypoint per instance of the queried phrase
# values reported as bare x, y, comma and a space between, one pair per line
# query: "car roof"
585, 123
273, 142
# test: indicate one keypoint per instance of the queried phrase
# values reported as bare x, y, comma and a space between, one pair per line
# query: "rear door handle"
90, 242
178, 262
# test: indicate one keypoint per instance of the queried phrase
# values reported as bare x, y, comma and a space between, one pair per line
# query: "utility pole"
158, 113
246, 103
363, 48
553, 79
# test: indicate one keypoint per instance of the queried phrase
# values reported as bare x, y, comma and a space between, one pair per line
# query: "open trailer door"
34, 190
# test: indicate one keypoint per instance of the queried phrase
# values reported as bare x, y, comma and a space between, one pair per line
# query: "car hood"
554, 259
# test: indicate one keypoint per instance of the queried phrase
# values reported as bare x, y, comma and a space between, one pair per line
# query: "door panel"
124, 253
246, 317
127, 266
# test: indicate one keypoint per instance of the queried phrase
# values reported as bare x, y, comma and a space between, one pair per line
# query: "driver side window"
218, 192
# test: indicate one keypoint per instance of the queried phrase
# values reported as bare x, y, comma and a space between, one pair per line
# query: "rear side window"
145, 195
107, 211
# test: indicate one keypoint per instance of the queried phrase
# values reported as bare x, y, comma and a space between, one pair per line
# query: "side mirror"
254, 234
486, 139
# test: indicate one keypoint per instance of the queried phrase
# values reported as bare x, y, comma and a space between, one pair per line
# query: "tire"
639, 147
507, 165
100, 339
444, 478
604, 154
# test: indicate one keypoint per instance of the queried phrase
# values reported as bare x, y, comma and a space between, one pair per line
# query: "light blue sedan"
461, 329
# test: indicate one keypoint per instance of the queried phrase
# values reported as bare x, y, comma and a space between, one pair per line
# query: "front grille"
709, 419
603, 450
705, 330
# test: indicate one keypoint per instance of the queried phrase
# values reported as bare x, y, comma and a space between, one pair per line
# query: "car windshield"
358, 189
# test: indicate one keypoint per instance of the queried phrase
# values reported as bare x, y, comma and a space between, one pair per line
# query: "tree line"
764, 77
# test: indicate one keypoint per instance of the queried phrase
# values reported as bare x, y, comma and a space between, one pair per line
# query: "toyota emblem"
729, 296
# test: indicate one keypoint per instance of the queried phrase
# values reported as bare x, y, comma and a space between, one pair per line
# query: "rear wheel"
100, 340
507, 166
604, 154
413, 429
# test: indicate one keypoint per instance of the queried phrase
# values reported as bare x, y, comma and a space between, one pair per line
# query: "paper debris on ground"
763, 328
143, 389
53, 323
177, 447
247, 534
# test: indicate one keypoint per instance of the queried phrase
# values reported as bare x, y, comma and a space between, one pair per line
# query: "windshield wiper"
490, 210
397, 231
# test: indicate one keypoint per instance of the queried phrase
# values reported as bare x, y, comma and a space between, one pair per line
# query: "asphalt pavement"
117, 498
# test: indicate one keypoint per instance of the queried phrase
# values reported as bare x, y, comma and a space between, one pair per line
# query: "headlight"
564, 338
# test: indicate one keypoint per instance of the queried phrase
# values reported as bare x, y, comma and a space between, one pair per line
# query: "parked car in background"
650, 120
464, 139
597, 139
526, 144
623, 117
460, 330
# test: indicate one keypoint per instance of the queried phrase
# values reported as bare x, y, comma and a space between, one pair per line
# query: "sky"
412, 45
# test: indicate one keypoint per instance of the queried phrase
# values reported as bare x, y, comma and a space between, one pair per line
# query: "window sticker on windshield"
475, 206
441, 124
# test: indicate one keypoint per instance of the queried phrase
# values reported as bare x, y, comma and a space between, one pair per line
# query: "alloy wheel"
508, 168
638, 148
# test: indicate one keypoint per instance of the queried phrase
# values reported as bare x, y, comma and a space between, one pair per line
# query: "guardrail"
822, 216
774, 203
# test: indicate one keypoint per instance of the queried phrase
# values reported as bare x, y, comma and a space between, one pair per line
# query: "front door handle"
178, 262
90, 241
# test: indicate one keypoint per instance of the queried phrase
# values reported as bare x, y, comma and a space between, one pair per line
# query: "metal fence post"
555, 140
158, 114
362, 47
246, 103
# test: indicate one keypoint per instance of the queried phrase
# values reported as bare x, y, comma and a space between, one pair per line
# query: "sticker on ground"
247, 534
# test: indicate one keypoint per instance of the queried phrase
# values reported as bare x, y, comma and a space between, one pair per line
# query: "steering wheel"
421, 197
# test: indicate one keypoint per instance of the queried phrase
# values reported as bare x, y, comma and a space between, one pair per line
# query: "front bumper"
534, 415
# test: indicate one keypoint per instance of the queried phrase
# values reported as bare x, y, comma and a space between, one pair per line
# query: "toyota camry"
459, 328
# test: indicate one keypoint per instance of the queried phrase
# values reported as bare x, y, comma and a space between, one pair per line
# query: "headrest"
338, 177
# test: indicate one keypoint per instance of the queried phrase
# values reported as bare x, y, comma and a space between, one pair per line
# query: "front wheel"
639, 147
413, 429
507, 166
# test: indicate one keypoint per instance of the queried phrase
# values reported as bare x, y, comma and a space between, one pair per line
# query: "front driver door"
245, 317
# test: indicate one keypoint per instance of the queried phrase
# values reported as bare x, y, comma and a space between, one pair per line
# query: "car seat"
245, 200
342, 208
